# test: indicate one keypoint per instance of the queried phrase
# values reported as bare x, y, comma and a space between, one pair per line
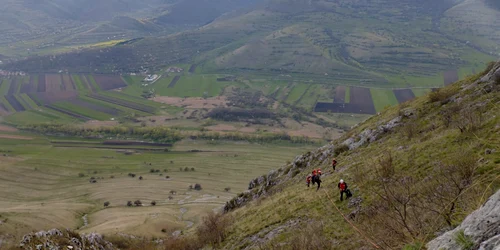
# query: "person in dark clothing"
316, 179
343, 188
308, 180
334, 163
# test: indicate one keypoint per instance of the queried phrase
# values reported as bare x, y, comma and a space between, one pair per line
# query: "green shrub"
441, 95
339, 149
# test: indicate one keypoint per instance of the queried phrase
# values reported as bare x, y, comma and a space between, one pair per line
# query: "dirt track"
18, 137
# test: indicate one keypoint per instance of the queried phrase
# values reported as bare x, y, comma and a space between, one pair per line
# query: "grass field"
191, 86
40, 185
296, 93
383, 98
347, 95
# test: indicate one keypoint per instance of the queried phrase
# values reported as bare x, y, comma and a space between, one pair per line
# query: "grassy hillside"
58, 26
433, 161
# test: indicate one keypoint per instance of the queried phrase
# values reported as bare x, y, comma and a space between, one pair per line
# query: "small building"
151, 78
174, 70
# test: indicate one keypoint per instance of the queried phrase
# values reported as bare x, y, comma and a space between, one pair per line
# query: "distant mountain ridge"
379, 42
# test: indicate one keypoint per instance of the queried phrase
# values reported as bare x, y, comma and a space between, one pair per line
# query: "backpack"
315, 179
348, 193
342, 186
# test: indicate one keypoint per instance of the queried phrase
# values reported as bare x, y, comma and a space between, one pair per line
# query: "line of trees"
160, 134
157, 134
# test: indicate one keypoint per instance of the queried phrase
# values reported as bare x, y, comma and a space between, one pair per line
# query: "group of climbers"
315, 177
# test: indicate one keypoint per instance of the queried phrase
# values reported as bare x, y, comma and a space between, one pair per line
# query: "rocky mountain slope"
415, 170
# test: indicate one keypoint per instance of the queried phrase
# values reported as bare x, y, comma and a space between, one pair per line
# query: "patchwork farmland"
358, 100
66, 97
104, 97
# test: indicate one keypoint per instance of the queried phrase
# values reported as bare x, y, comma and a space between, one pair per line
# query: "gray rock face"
371, 135
50, 240
482, 226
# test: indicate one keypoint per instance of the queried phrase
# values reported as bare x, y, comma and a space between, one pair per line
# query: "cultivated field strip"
174, 81
53, 83
339, 94
3, 109
35, 99
51, 97
67, 112
123, 103
362, 98
404, 95
82, 103
67, 82
41, 83
109, 82
192, 69
15, 103
26, 86
87, 82
23, 102
14, 86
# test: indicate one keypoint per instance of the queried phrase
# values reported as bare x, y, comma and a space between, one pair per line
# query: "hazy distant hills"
353, 41
45, 25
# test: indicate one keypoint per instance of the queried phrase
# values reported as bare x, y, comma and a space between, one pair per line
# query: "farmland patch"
383, 98
4, 86
14, 86
15, 137
450, 77
192, 69
92, 106
51, 97
404, 95
339, 94
26, 86
174, 81
109, 82
41, 83
68, 82
342, 108
15, 103
66, 112
193, 102
363, 99
53, 83
123, 103
4, 128
88, 83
